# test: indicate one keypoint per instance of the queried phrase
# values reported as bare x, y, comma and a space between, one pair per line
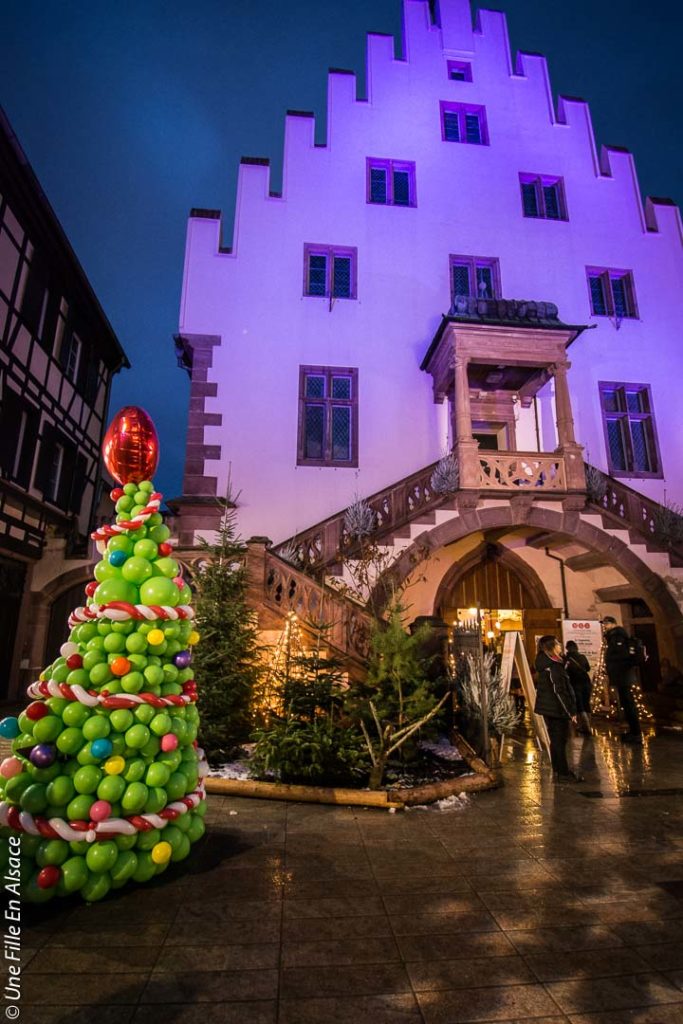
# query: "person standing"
621, 672
555, 701
578, 669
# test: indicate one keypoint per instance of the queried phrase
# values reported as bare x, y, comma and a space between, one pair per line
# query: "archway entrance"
510, 594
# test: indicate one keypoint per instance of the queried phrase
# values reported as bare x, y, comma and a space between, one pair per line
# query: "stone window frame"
606, 275
462, 110
328, 402
541, 182
330, 252
390, 167
472, 263
626, 417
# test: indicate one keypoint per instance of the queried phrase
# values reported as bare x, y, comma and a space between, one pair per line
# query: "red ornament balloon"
91, 588
131, 446
48, 876
165, 549
37, 710
116, 493
74, 661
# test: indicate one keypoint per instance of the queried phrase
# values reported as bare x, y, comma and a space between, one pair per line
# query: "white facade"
252, 302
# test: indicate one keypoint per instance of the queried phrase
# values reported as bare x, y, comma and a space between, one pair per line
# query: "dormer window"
459, 71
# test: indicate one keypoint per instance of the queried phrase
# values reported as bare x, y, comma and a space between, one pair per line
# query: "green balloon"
29, 848
52, 851
166, 567
146, 868
197, 828
104, 628
70, 741
61, 790
111, 788
173, 835
126, 842
136, 643
97, 727
101, 856
158, 533
132, 682
144, 713
96, 888
120, 543
117, 590
74, 875
123, 868
159, 590
154, 675
134, 797
145, 549
87, 631
76, 714
137, 735
175, 787
87, 779
16, 786
85, 755
125, 627
147, 840
156, 801
34, 798
157, 775
79, 847
79, 808
137, 570
33, 893
151, 748
58, 705
45, 774
114, 643
78, 677
183, 850
47, 729
121, 719
104, 570
160, 724
134, 770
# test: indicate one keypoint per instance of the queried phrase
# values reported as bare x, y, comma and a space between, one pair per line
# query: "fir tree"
229, 661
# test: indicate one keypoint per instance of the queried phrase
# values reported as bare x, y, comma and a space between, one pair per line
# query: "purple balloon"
43, 755
182, 659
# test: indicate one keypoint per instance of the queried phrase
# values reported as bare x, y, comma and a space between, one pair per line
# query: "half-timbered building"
58, 354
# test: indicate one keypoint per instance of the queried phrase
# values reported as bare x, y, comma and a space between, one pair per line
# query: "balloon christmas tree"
105, 781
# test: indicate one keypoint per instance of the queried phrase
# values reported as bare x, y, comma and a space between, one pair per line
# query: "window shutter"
341, 272
34, 294
529, 199
10, 426
45, 456
92, 378
473, 129
28, 446
66, 476
451, 125
551, 199
78, 483
378, 185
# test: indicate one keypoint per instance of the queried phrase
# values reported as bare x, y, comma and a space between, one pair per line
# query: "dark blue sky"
133, 111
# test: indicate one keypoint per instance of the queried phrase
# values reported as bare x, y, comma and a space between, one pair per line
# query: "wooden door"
540, 622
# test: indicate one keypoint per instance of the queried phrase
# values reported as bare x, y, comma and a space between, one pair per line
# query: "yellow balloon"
193, 638
161, 853
114, 765
155, 637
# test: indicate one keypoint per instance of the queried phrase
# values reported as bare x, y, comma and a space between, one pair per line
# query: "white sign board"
514, 653
587, 633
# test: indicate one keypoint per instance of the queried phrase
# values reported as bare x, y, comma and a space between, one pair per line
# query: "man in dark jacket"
579, 672
622, 674
555, 701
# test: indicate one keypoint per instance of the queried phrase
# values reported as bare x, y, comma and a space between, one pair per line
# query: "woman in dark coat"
579, 672
555, 701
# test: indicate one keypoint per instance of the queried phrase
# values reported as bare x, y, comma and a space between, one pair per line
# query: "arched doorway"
511, 595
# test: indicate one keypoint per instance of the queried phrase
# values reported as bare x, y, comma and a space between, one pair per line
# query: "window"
611, 292
60, 471
461, 122
474, 277
391, 183
70, 355
459, 71
330, 271
630, 434
328, 416
543, 197
19, 421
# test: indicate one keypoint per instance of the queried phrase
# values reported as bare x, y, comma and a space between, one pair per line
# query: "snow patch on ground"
456, 802
230, 770
442, 749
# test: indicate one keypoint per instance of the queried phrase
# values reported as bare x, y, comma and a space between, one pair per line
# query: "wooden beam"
611, 595
590, 560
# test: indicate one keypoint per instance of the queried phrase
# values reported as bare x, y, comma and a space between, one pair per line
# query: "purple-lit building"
461, 266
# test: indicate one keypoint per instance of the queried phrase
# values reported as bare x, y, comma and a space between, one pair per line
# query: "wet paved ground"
533, 903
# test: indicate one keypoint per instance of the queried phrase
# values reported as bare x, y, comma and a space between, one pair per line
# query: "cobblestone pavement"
542, 903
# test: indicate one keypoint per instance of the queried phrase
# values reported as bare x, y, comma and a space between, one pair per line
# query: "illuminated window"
611, 292
630, 434
391, 182
330, 271
462, 122
543, 197
328, 416
474, 277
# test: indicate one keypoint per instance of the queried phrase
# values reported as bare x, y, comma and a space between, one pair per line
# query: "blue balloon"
101, 748
9, 728
117, 558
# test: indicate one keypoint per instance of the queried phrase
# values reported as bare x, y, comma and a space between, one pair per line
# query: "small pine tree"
228, 663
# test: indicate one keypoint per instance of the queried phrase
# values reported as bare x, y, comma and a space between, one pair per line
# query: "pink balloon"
179, 582
169, 742
10, 767
100, 810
